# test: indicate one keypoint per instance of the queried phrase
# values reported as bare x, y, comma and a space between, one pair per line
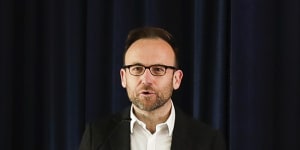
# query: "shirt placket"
151, 143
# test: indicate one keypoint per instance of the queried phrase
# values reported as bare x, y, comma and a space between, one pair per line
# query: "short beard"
160, 102
162, 98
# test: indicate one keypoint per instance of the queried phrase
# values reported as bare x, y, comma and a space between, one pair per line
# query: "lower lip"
148, 94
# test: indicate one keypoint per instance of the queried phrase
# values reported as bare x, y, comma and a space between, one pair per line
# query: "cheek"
166, 84
129, 83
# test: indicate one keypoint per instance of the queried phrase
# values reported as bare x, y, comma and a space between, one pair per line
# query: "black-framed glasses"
155, 70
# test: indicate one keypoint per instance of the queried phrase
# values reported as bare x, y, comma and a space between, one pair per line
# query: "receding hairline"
160, 43
150, 33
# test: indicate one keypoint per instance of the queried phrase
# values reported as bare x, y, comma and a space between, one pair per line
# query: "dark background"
60, 62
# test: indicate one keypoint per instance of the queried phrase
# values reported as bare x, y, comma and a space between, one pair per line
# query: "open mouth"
147, 92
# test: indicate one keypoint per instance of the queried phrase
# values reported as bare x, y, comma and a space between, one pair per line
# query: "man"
150, 74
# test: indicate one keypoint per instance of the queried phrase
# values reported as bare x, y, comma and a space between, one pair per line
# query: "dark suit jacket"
114, 134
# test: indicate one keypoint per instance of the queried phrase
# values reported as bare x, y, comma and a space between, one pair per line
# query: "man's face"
148, 92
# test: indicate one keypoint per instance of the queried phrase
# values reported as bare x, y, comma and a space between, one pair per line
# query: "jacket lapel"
120, 140
180, 138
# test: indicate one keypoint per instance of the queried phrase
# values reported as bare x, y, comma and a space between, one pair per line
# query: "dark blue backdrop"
60, 62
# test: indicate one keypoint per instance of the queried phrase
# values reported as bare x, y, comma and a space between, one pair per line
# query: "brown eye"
136, 70
157, 70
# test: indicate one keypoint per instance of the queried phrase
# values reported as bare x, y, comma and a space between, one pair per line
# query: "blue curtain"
60, 62
265, 75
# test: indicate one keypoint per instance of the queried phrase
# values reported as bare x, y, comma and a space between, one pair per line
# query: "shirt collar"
169, 122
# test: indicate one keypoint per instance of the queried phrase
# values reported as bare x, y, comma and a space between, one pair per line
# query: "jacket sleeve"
219, 142
86, 141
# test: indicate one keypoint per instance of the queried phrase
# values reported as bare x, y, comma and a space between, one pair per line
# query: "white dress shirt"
143, 139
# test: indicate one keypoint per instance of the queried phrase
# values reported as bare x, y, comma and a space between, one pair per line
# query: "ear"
123, 77
177, 77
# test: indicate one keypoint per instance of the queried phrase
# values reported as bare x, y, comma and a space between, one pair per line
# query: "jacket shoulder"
98, 131
193, 133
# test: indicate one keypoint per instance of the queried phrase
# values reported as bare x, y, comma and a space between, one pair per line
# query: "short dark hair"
150, 33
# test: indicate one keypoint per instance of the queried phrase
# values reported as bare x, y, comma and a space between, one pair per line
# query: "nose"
147, 77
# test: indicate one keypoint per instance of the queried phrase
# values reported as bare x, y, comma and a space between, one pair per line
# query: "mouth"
147, 92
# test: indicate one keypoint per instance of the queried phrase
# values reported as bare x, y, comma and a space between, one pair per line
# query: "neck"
154, 117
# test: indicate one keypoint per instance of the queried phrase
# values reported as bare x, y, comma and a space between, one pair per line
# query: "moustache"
146, 89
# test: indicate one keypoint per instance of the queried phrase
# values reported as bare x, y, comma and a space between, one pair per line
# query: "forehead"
149, 52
